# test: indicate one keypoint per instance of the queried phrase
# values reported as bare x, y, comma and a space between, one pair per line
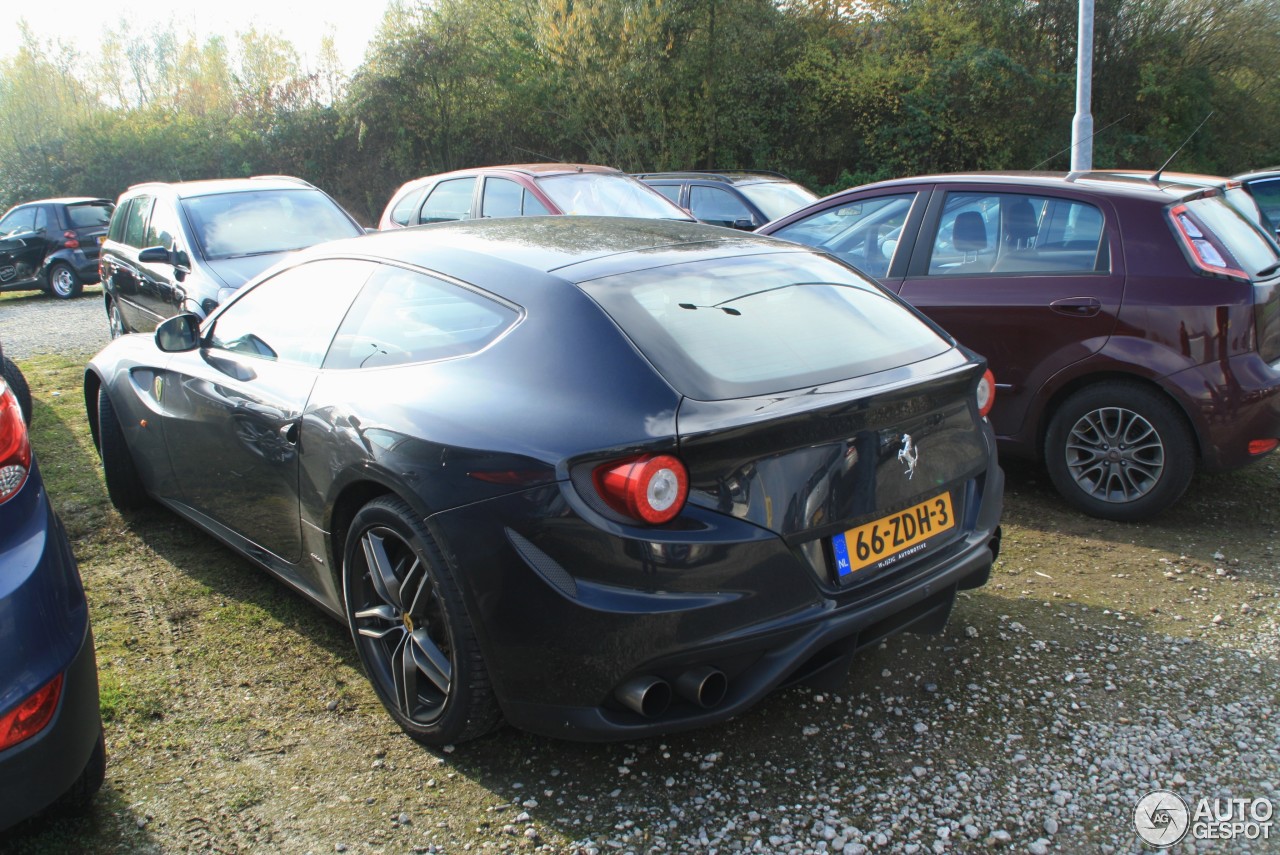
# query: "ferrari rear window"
754, 325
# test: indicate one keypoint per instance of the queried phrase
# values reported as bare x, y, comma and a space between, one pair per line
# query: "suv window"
716, 206
450, 200
292, 316
1267, 192
1014, 233
865, 234
671, 191
135, 227
808, 320
405, 316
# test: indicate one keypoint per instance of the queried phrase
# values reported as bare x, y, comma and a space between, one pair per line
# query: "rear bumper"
1230, 405
36, 772
730, 597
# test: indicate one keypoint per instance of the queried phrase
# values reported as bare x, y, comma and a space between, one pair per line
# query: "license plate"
893, 538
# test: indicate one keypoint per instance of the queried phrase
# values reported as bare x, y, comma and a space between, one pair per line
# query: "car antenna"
1074, 144
537, 154
1155, 179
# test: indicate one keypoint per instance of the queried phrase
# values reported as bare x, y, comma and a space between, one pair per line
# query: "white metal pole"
1082, 124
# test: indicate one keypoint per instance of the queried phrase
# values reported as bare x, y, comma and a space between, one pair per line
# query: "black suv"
739, 200
186, 247
52, 245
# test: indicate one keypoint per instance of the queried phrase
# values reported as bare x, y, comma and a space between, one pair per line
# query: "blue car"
51, 746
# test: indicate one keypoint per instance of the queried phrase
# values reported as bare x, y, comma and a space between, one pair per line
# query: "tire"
423, 660
115, 320
15, 381
63, 282
1120, 451
124, 485
79, 797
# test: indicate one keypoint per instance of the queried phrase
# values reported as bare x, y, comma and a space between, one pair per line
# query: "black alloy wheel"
1120, 451
411, 628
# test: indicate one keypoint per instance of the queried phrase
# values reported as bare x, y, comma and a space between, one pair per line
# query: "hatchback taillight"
32, 715
70, 240
15, 446
651, 488
986, 393
1203, 246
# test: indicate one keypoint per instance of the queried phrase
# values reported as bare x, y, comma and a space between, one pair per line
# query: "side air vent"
543, 564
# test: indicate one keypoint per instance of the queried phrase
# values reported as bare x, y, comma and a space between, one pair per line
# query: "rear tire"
124, 485
115, 319
79, 797
411, 628
15, 381
1120, 451
63, 282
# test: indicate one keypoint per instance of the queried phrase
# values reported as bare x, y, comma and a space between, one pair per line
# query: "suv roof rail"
295, 179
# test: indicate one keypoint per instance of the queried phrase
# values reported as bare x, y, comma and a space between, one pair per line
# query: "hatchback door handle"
1077, 307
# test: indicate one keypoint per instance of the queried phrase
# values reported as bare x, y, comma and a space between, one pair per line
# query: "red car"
1132, 320
526, 190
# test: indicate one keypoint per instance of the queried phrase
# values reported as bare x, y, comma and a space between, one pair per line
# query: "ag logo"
7, 272
1161, 818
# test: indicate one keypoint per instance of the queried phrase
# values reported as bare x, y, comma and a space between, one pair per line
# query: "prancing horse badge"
909, 455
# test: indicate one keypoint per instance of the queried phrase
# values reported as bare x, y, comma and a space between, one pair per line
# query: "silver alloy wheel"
1114, 454
115, 320
401, 626
62, 281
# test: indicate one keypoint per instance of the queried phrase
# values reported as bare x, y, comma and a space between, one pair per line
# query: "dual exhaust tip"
649, 696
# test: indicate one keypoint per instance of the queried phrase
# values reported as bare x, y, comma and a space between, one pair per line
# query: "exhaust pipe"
648, 696
703, 686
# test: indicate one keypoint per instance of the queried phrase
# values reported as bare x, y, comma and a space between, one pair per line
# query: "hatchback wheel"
63, 282
1120, 451
411, 627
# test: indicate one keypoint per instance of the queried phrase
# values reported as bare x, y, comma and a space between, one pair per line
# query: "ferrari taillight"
15, 446
986, 393
651, 488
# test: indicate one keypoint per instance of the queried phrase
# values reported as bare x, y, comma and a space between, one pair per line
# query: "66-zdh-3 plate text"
892, 537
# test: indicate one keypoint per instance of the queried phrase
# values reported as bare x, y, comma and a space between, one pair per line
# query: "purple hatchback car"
1132, 320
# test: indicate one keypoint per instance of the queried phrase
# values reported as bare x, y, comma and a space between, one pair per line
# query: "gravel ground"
1102, 662
35, 323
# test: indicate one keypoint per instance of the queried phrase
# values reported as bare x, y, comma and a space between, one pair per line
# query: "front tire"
1120, 451
124, 485
63, 282
411, 628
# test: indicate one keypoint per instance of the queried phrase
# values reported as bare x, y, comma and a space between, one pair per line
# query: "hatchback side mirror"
178, 334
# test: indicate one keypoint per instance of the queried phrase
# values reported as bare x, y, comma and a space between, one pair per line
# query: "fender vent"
543, 564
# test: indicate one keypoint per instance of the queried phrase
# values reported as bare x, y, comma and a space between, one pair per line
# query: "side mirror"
178, 334
745, 224
154, 255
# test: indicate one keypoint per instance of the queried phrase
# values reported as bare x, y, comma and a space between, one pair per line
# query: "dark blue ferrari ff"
51, 747
603, 478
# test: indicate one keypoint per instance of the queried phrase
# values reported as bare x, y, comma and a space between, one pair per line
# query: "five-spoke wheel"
411, 628
1120, 451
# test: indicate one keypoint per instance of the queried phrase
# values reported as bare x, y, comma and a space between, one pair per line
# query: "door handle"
1077, 307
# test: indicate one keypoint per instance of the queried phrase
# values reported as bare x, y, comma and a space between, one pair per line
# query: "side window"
162, 228
403, 211
450, 200
671, 191
716, 206
1267, 194
115, 231
1015, 233
292, 316
21, 220
865, 233
532, 207
41, 223
501, 198
405, 316
135, 227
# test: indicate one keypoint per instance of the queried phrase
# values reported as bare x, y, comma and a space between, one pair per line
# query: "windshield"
256, 222
777, 198
608, 194
755, 325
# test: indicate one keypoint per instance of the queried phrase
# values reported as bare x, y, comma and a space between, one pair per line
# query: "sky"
78, 22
